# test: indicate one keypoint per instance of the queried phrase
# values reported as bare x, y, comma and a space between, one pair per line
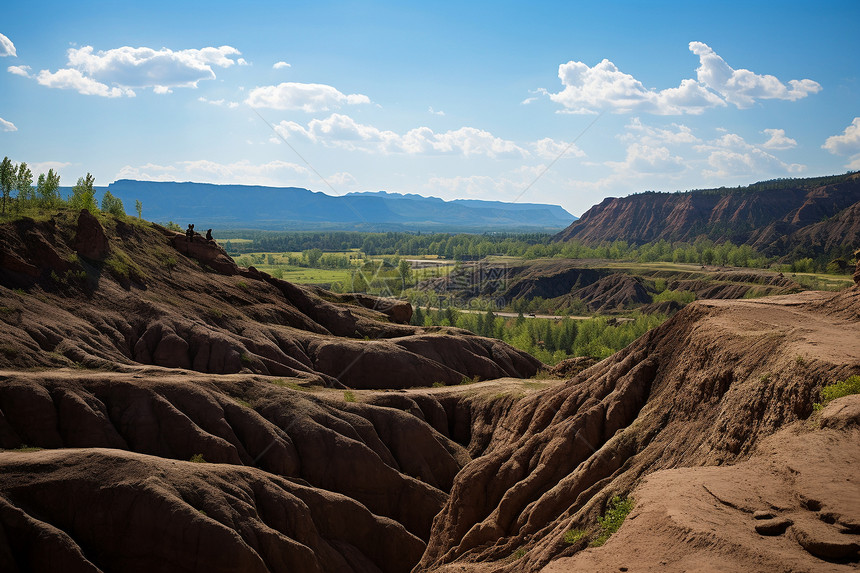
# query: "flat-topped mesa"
207, 252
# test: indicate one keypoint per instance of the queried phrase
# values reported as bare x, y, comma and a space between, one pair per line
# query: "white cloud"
279, 65
642, 158
119, 71
342, 131
848, 143
742, 87
219, 102
273, 173
605, 87
19, 70
549, 148
589, 89
637, 131
7, 125
309, 98
434, 112
45, 166
731, 156
778, 139
75, 80
7, 48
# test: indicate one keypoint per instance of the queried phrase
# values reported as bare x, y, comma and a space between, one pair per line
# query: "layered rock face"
771, 220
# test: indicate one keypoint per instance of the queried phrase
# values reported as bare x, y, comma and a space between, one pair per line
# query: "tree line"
45, 195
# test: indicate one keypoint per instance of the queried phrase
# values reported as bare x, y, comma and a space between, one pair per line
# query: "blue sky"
563, 103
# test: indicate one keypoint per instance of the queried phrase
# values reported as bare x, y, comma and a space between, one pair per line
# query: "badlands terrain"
162, 409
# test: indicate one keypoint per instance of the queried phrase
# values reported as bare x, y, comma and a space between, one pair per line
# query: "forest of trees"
550, 341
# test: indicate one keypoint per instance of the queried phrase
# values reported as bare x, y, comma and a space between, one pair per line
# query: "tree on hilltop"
83, 194
24, 185
48, 189
112, 204
8, 179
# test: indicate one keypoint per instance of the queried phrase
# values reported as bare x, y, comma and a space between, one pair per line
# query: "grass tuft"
616, 513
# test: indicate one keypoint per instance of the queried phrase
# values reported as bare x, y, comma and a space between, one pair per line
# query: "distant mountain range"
292, 208
801, 217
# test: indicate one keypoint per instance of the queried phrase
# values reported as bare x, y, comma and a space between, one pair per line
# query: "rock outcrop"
90, 240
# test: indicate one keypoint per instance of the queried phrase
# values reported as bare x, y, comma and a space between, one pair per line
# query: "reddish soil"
125, 364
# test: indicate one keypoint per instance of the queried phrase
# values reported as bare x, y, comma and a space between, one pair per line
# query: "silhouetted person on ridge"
189, 233
209, 235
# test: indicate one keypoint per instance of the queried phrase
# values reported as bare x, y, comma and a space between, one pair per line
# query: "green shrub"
198, 459
611, 521
831, 392
348, 396
573, 535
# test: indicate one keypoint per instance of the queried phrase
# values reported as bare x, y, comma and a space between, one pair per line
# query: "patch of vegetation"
799, 360
214, 312
348, 396
549, 340
850, 385
197, 459
679, 296
242, 402
616, 513
438, 385
242, 285
122, 266
518, 554
291, 385
473, 380
572, 536
26, 449
245, 358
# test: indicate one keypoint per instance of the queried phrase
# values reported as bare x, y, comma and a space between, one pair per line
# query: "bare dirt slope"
701, 390
112, 293
793, 506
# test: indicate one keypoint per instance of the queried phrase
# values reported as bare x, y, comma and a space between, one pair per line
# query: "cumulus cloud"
7, 125
7, 48
778, 139
71, 79
434, 112
19, 70
637, 131
309, 98
605, 87
205, 171
342, 131
731, 156
117, 72
548, 148
589, 89
642, 158
847, 143
742, 87
279, 65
